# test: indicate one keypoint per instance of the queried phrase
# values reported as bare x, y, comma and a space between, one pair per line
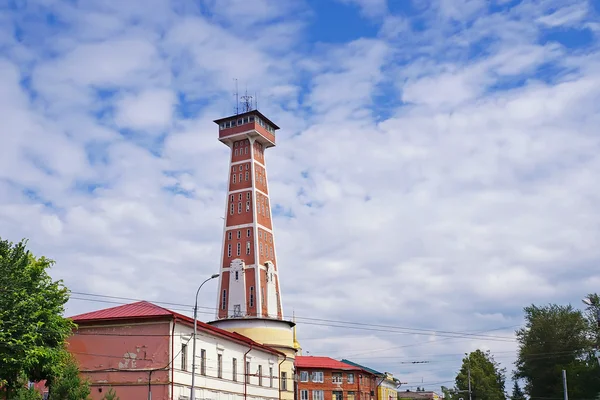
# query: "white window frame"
316, 377
303, 376
318, 395
303, 394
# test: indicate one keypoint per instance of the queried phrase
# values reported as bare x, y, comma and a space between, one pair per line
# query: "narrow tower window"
231, 208
248, 196
240, 176
246, 150
247, 167
240, 197
234, 175
251, 296
232, 198
239, 248
240, 207
247, 206
246, 175
261, 249
228, 250
248, 247
237, 275
224, 299
229, 235
235, 152
248, 233
239, 234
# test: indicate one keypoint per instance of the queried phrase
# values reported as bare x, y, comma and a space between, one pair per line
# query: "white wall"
210, 386
237, 288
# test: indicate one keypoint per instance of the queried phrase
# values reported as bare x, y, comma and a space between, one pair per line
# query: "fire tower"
249, 297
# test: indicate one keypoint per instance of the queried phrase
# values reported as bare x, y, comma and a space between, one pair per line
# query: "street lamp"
194, 337
469, 372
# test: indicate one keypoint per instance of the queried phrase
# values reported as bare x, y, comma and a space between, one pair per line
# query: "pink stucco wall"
121, 356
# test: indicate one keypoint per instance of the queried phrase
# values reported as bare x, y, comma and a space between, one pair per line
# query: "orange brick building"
323, 378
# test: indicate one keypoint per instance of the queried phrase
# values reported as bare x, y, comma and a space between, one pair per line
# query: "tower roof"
242, 115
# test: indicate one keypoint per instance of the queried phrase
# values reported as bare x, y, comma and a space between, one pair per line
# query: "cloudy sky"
437, 167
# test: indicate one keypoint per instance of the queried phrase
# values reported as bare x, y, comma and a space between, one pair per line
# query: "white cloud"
147, 110
449, 213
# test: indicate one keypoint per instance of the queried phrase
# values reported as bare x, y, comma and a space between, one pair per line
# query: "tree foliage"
487, 378
517, 392
110, 395
32, 328
555, 338
68, 385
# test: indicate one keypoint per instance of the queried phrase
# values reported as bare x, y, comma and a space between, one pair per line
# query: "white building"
140, 349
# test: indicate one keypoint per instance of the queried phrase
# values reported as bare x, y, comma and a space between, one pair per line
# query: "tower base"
274, 333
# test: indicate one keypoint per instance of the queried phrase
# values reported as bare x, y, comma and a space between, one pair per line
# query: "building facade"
249, 298
386, 385
323, 378
141, 348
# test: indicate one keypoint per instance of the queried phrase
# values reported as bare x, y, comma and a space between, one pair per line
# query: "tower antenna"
247, 102
237, 101
256, 101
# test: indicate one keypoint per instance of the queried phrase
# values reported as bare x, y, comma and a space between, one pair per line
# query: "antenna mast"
247, 102
237, 101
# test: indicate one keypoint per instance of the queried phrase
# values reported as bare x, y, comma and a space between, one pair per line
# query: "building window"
234, 175
219, 365
261, 249
350, 378
304, 395
240, 196
351, 396
240, 207
262, 294
224, 299
317, 395
270, 376
184, 357
239, 234
317, 376
260, 234
234, 369
240, 177
232, 198
260, 375
247, 372
248, 247
248, 195
248, 233
270, 239
303, 376
338, 395
283, 384
229, 235
202, 362
229, 250
237, 275
247, 166
246, 175
336, 377
231, 209
251, 296
235, 153
239, 248
247, 206
246, 150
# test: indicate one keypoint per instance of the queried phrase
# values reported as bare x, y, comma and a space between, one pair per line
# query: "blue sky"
436, 166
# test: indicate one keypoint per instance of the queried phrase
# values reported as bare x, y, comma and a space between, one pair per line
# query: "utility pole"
469, 373
564, 377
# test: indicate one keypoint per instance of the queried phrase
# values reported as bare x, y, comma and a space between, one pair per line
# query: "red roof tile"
145, 310
323, 362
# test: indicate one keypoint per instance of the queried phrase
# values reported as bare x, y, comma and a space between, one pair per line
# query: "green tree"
487, 378
556, 338
32, 328
517, 392
68, 385
111, 395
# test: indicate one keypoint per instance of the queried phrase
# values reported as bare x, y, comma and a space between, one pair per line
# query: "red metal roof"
140, 309
323, 362
147, 310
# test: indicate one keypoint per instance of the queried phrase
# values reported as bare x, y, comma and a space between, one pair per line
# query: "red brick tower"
249, 282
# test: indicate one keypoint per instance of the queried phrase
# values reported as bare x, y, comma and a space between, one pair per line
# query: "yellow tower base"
274, 333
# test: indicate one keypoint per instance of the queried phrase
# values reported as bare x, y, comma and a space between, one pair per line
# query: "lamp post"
194, 337
469, 372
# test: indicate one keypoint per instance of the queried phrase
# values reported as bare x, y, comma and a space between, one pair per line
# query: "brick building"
140, 349
323, 378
